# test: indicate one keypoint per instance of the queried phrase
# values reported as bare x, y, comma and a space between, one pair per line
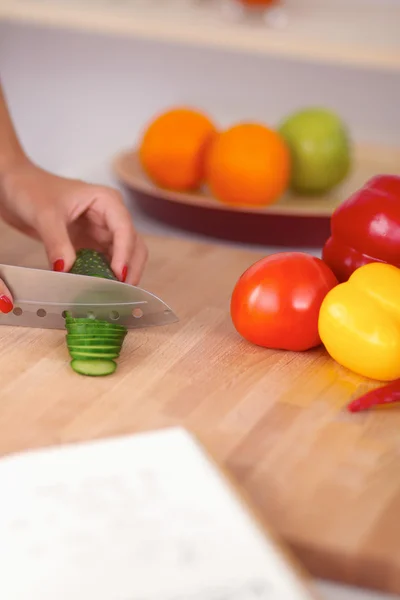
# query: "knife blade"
41, 299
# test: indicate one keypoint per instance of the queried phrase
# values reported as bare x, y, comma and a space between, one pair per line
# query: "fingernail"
6, 305
58, 265
124, 274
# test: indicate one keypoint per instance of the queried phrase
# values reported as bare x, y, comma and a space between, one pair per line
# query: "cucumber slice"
89, 347
83, 320
89, 329
86, 354
107, 339
88, 321
95, 349
96, 324
84, 340
110, 339
96, 331
91, 320
94, 368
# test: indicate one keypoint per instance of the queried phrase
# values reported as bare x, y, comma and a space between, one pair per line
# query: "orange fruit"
172, 149
248, 164
259, 2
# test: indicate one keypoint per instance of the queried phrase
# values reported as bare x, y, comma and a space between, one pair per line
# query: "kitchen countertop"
101, 174
58, 417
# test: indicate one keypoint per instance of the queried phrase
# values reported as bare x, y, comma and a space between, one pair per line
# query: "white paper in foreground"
145, 517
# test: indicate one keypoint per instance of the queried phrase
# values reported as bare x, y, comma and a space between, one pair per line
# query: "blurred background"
84, 78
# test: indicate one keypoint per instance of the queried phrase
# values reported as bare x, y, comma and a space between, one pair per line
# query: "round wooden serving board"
292, 221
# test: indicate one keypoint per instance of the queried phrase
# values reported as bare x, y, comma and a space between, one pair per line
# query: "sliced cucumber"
92, 343
78, 340
98, 322
92, 355
90, 329
93, 368
97, 325
97, 329
82, 320
94, 349
94, 335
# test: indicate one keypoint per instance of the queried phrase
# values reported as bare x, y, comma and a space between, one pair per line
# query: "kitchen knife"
42, 298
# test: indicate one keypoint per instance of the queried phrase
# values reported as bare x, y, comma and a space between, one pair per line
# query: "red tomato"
276, 302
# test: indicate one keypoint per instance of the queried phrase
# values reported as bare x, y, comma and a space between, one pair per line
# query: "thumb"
6, 300
59, 249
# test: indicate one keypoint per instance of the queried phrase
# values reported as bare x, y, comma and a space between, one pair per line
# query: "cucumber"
95, 331
84, 340
90, 330
92, 343
92, 321
84, 320
95, 323
112, 335
97, 326
96, 343
95, 349
93, 368
91, 262
69, 319
87, 355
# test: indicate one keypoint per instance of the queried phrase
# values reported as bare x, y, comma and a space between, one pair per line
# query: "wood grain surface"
328, 481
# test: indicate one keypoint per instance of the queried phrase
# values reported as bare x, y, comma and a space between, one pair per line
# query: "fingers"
138, 262
54, 234
123, 244
6, 299
129, 254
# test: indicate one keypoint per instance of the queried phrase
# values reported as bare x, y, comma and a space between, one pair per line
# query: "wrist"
9, 162
10, 166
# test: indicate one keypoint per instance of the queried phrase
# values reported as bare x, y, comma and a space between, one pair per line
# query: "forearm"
11, 151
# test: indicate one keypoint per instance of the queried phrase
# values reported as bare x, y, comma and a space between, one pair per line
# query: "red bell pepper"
387, 394
365, 228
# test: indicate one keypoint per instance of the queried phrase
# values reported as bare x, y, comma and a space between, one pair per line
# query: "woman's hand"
6, 303
69, 214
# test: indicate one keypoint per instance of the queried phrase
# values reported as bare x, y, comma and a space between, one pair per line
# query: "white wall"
78, 98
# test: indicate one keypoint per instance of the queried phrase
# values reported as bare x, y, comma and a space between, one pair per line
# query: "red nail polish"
58, 265
124, 274
6, 305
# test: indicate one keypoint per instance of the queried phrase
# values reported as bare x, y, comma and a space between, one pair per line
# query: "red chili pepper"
365, 228
387, 394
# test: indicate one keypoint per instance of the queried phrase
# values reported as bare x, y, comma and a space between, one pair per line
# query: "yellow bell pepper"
359, 322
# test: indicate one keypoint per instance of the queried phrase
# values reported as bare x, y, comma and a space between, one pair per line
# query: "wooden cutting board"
327, 480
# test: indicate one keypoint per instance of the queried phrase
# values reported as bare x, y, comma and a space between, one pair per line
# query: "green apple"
320, 149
